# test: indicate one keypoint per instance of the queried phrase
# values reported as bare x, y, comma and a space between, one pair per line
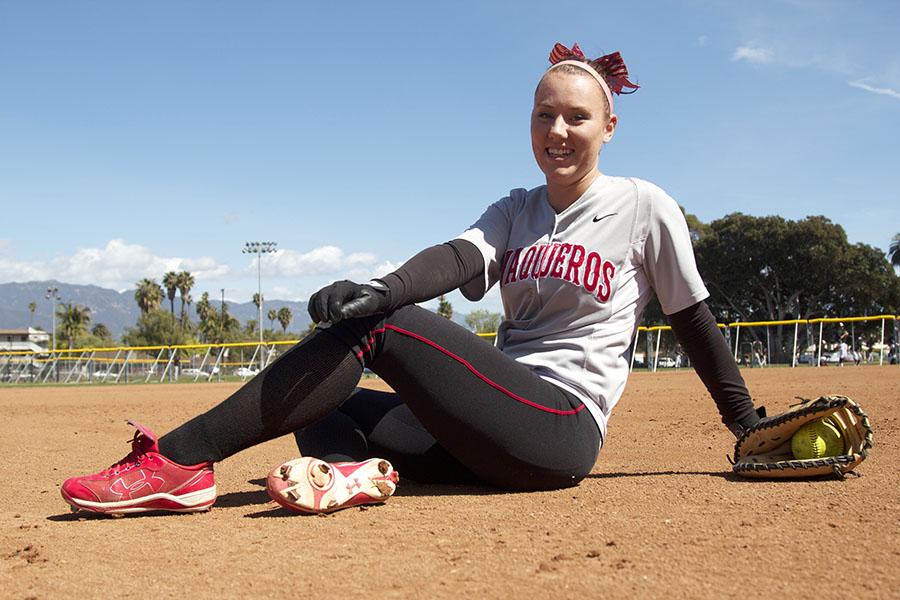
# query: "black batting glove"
348, 300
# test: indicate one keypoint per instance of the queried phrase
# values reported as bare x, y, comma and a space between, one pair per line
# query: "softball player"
576, 260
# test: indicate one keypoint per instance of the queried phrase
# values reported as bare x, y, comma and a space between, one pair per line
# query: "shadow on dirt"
727, 475
84, 515
236, 499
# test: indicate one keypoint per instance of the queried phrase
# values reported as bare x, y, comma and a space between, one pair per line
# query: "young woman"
576, 259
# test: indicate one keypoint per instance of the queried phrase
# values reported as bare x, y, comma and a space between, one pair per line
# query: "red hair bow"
610, 66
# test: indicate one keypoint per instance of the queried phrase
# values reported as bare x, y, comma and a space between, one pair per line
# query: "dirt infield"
661, 516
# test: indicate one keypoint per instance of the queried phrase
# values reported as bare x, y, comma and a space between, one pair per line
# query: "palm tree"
894, 250
73, 321
284, 317
101, 331
445, 309
272, 314
205, 308
186, 301
170, 282
257, 300
185, 283
32, 306
148, 295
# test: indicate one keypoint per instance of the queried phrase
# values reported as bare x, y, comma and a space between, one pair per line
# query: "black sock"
305, 384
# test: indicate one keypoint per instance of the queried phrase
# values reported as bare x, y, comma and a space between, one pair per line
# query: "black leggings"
489, 416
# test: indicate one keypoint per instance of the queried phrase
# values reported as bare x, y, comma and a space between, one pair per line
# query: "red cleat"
310, 485
145, 480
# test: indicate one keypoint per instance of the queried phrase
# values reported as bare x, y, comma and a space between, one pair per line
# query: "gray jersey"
574, 284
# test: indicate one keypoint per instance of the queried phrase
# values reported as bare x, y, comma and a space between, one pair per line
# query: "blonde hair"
573, 70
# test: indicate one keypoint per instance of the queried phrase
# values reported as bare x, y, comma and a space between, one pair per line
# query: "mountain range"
116, 310
119, 310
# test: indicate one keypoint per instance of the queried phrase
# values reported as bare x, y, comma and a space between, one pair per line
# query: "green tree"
73, 321
696, 227
170, 283
284, 318
772, 269
870, 286
216, 326
156, 328
185, 283
894, 251
251, 331
483, 321
204, 307
272, 315
445, 309
148, 295
229, 328
32, 306
101, 331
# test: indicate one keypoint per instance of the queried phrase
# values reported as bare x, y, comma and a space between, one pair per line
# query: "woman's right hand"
348, 300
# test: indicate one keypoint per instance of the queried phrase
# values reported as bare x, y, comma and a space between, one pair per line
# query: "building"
28, 340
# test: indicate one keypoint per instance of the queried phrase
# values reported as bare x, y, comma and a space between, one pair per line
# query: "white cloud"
280, 292
875, 90
753, 54
117, 265
325, 260
703, 40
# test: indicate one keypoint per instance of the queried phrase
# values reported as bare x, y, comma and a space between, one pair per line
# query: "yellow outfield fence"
813, 342
126, 364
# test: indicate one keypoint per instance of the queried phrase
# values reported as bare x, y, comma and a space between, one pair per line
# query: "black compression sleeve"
434, 271
698, 333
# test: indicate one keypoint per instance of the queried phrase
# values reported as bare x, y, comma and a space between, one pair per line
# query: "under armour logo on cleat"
136, 485
596, 219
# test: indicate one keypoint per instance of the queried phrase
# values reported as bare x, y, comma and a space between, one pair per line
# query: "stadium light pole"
259, 248
53, 294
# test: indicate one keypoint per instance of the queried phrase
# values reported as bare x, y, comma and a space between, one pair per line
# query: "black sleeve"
698, 333
434, 271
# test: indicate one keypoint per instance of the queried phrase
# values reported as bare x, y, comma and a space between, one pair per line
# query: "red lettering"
592, 271
575, 261
560, 257
505, 261
545, 268
526, 262
609, 271
513, 267
536, 266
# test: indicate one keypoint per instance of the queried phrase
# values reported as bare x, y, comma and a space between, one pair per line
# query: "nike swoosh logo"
596, 219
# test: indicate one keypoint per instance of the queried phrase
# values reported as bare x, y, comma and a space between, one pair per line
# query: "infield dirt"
660, 516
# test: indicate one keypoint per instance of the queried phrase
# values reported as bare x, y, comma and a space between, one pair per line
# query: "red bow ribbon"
610, 66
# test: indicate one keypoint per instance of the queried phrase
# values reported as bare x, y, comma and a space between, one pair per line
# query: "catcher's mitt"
764, 450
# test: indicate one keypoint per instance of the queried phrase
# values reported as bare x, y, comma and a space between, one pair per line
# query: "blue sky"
139, 139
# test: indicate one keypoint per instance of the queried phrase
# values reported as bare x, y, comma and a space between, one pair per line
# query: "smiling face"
569, 124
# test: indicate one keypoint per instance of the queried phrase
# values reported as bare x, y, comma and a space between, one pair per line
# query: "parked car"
245, 372
191, 372
665, 361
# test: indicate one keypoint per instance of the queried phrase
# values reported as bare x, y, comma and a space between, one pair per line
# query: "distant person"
577, 260
843, 346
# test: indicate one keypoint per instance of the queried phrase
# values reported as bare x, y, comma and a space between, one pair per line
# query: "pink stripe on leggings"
477, 374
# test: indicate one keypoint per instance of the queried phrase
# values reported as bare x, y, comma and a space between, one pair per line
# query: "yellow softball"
817, 439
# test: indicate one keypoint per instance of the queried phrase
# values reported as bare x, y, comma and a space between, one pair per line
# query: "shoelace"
132, 460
